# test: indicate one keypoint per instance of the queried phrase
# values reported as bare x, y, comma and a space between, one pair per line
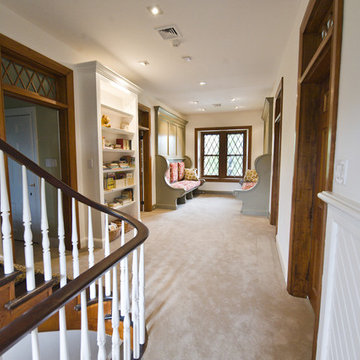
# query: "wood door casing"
64, 102
275, 184
319, 208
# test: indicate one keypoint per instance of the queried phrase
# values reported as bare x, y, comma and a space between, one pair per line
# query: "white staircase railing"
89, 283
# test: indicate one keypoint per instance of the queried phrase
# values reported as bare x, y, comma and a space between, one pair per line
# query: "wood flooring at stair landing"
215, 290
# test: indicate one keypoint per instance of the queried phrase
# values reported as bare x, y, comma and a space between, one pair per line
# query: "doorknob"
32, 185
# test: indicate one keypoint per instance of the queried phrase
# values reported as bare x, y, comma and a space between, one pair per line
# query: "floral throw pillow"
173, 172
251, 176
181, 170
191, 174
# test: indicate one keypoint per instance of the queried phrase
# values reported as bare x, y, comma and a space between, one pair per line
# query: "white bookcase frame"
101, 91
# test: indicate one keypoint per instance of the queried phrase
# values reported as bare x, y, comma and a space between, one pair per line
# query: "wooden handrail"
17, 329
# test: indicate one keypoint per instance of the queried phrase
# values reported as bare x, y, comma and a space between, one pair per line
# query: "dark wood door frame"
319, 61
275, 183
146, 114
63, 101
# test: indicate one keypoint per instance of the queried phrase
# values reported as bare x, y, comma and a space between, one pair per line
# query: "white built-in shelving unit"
101, 91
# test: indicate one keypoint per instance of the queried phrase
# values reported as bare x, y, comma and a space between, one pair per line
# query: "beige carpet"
214, 287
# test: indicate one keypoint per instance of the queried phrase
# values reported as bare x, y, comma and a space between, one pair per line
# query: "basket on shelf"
114, 233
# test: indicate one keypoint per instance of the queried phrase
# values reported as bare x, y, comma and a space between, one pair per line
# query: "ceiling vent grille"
170, 32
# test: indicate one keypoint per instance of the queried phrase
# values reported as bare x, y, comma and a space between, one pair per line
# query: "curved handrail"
17, 329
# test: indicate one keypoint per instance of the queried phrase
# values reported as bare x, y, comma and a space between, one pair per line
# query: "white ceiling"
235, 44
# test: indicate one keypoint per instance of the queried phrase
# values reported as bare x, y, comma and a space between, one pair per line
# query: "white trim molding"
339, 328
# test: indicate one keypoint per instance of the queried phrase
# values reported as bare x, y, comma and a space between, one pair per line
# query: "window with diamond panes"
25, 78
211, 154
235, 155
223, 154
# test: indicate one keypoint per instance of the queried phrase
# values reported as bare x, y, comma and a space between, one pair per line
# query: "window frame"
222, 132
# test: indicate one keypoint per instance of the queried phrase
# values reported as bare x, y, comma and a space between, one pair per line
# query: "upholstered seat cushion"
187, 185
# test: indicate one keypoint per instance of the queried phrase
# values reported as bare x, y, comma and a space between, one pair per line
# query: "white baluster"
64, 354
85, 344
141, 296
61, 236
115, 320
135, 306
5, 219
125, 307
101, 335
106, 253
29, 256
91, 252
29, 251
74, 240
45, 235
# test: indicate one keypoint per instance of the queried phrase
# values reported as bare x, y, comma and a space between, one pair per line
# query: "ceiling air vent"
169, 32
216, 105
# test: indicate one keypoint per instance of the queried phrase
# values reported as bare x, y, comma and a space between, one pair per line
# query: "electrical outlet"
341, 169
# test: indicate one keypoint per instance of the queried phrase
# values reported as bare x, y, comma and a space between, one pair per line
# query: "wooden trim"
148, 163
64, 103
312, 82
275, 183
228, 129
33, 97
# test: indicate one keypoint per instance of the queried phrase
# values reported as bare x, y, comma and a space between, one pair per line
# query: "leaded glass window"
224, 153
21, 76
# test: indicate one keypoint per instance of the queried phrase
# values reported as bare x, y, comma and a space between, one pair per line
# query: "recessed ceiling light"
234, 99
202, 109
238, 107
144, 63
194, 102
155, 10
187, 58
202, 83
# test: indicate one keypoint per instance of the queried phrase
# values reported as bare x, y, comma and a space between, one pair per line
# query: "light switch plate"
341, 168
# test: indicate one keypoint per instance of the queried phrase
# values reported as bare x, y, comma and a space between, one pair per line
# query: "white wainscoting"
339, 327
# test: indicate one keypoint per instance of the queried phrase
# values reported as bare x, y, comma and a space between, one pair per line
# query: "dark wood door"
319, 208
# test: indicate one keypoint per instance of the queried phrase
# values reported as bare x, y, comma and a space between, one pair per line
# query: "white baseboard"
281, 258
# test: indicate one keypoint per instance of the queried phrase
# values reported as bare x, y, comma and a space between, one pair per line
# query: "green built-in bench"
170, 193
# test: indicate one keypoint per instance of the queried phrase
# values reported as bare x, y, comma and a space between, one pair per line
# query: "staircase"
103, 298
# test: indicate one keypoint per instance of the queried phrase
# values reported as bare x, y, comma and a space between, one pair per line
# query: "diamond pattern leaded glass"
235, 144
211, 154
235, 166
24, 78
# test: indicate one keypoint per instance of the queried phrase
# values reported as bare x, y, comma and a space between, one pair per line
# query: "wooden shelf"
317, 58
118, 170
143, 128
120, 112
120, 151
106, 192
117, 131
122, 206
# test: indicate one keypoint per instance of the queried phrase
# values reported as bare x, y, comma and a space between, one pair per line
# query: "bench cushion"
187, 185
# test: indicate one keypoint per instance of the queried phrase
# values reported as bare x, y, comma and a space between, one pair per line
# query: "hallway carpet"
215, 290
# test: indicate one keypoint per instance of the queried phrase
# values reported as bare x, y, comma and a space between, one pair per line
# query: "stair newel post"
142, 296
5, 219
29, 256
64, 354
135, 305
45, 235
91, 252
115, 319
125, 302
106, 253
101, 335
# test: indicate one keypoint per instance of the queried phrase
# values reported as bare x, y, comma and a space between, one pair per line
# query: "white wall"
238, 118
288, 69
